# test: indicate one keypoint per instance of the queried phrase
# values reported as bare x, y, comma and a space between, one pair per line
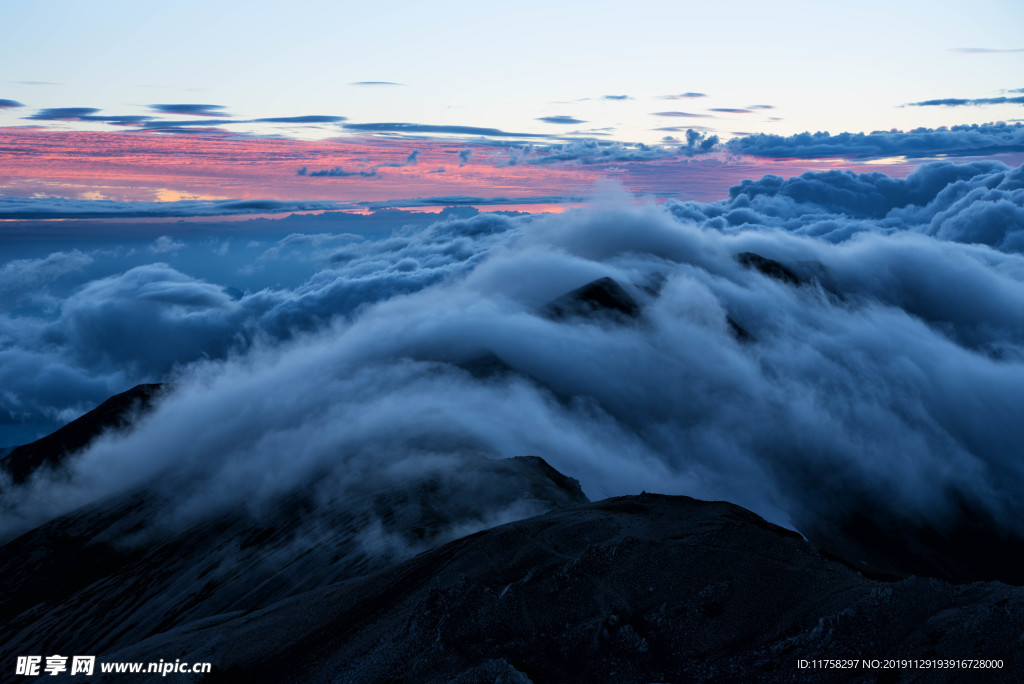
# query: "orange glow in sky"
404, 172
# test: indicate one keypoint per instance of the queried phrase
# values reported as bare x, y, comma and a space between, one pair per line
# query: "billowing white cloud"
165, 244
869, 361
25, 275
980, 202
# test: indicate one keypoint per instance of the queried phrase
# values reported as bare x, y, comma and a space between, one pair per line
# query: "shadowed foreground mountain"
634, 589
111, 574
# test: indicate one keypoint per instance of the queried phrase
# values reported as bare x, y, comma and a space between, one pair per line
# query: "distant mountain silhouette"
51, 451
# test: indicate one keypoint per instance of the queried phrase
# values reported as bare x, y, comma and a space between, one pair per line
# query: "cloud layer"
961, 102
190, 109
64, 208
986, 139
85, 114
435, 129
979, 202
868, 360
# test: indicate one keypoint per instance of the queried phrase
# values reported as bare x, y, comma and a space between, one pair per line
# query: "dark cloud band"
85, 114
560, 120
443, 130
60, 208
961, 102
190, 109
973, 140
688, 115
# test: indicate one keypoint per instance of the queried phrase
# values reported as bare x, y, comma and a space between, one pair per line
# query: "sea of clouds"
890, 377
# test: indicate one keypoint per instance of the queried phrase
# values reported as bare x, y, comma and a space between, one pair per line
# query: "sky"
112, 100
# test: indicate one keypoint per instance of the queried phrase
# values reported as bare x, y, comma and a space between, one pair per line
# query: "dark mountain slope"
112, 574
51, 451
633, 589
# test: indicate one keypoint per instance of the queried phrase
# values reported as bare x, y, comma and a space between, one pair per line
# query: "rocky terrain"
634, 589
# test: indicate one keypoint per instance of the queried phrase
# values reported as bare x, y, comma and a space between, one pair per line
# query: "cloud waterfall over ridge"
883, 373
